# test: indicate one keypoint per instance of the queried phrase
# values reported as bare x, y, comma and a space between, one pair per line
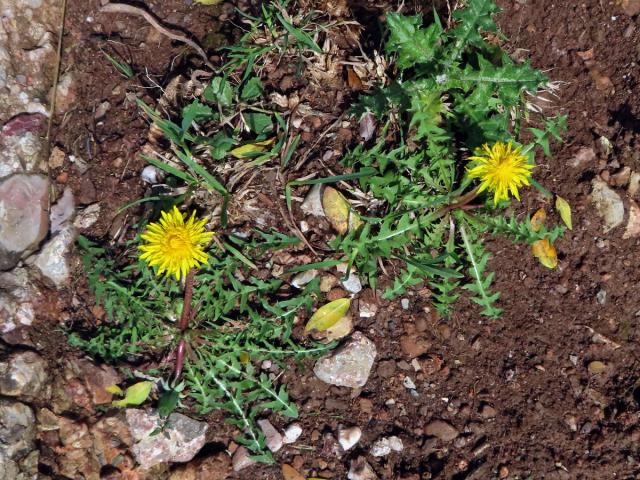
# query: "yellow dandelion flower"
173, 245
501, 169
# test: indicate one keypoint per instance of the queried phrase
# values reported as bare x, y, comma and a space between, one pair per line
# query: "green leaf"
168, 402
219, 91
136, 394
194, 112
220, 144
299, 35
251, 90
327, 315
259, 123
413, 44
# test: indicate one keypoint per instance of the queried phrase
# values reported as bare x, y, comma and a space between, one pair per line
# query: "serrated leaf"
259, 123
538, 219
219, 91
168, 402
564, 209
252, 89
136, 394
251, 149
328, 315
336, 208
544, 251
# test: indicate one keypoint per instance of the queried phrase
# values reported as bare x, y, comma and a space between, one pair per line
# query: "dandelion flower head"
501, 169
174, 245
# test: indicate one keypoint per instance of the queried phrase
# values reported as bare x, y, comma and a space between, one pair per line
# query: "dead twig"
151, 19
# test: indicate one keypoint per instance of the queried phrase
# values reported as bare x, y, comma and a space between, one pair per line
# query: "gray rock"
352, 283
442, 430
8, 468
17, 429
274, 439
180, 440
151, 175
52, 260
87, 217
361, 470
242, 459
384, 446
608, 204
23, 216
24, 375
62, 212
16, 296
21, 151
312, 204
350, 365
303, 278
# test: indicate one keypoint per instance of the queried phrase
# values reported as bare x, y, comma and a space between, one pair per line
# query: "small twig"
184, 322
133, 10
56, 75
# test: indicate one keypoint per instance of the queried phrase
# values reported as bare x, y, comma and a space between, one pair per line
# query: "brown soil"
513, 387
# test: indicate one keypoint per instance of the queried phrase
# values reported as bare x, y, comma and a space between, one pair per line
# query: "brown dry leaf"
353, 80
290, 473
586, 55
538, 219
544, 251
602, 81
336, 208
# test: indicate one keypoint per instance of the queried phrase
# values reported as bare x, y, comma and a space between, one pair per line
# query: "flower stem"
184, 323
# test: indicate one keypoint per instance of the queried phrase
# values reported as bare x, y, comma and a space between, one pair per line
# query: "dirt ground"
517, 390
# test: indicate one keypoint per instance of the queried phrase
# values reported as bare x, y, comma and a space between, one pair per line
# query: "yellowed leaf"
290, 473
340, 329
336, 208
114, 390
564, 209
209, 2
538, 219
251, 149
328, 315
544, 251
136, 394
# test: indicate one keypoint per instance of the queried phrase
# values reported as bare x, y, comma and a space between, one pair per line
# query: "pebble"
442, 430
404, 303
608, 204
350, 365
151, 175
487, 411
303, 278
52, 262
367, 308
292, 433
596, 367
62, 211
601, 297
583, 158
384, 446
327, 282
352, 284
348, 437
274, 439
242, 459
87, 217
633, 224
408, 383
359, 469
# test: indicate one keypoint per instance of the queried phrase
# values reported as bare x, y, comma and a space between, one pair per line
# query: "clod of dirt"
608, 204
442, 430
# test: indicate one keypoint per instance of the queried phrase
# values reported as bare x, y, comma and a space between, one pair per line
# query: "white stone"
350, 365
274, 439
52, 259
348, 437
384, 446
292, 433
608, 204
312, 204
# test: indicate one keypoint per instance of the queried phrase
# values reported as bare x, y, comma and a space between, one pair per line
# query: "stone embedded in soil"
87, 217
181, 439
24, 375
16, 296
352, 283
274, 440
62, 212
442, 430
384, 446
23, 216
20, 151
361, 470
17, 429
302, 278
312, 204
242, 459
633, 225
348, 437
608, 204
52, 260
350, 365
292, 433
583, 158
